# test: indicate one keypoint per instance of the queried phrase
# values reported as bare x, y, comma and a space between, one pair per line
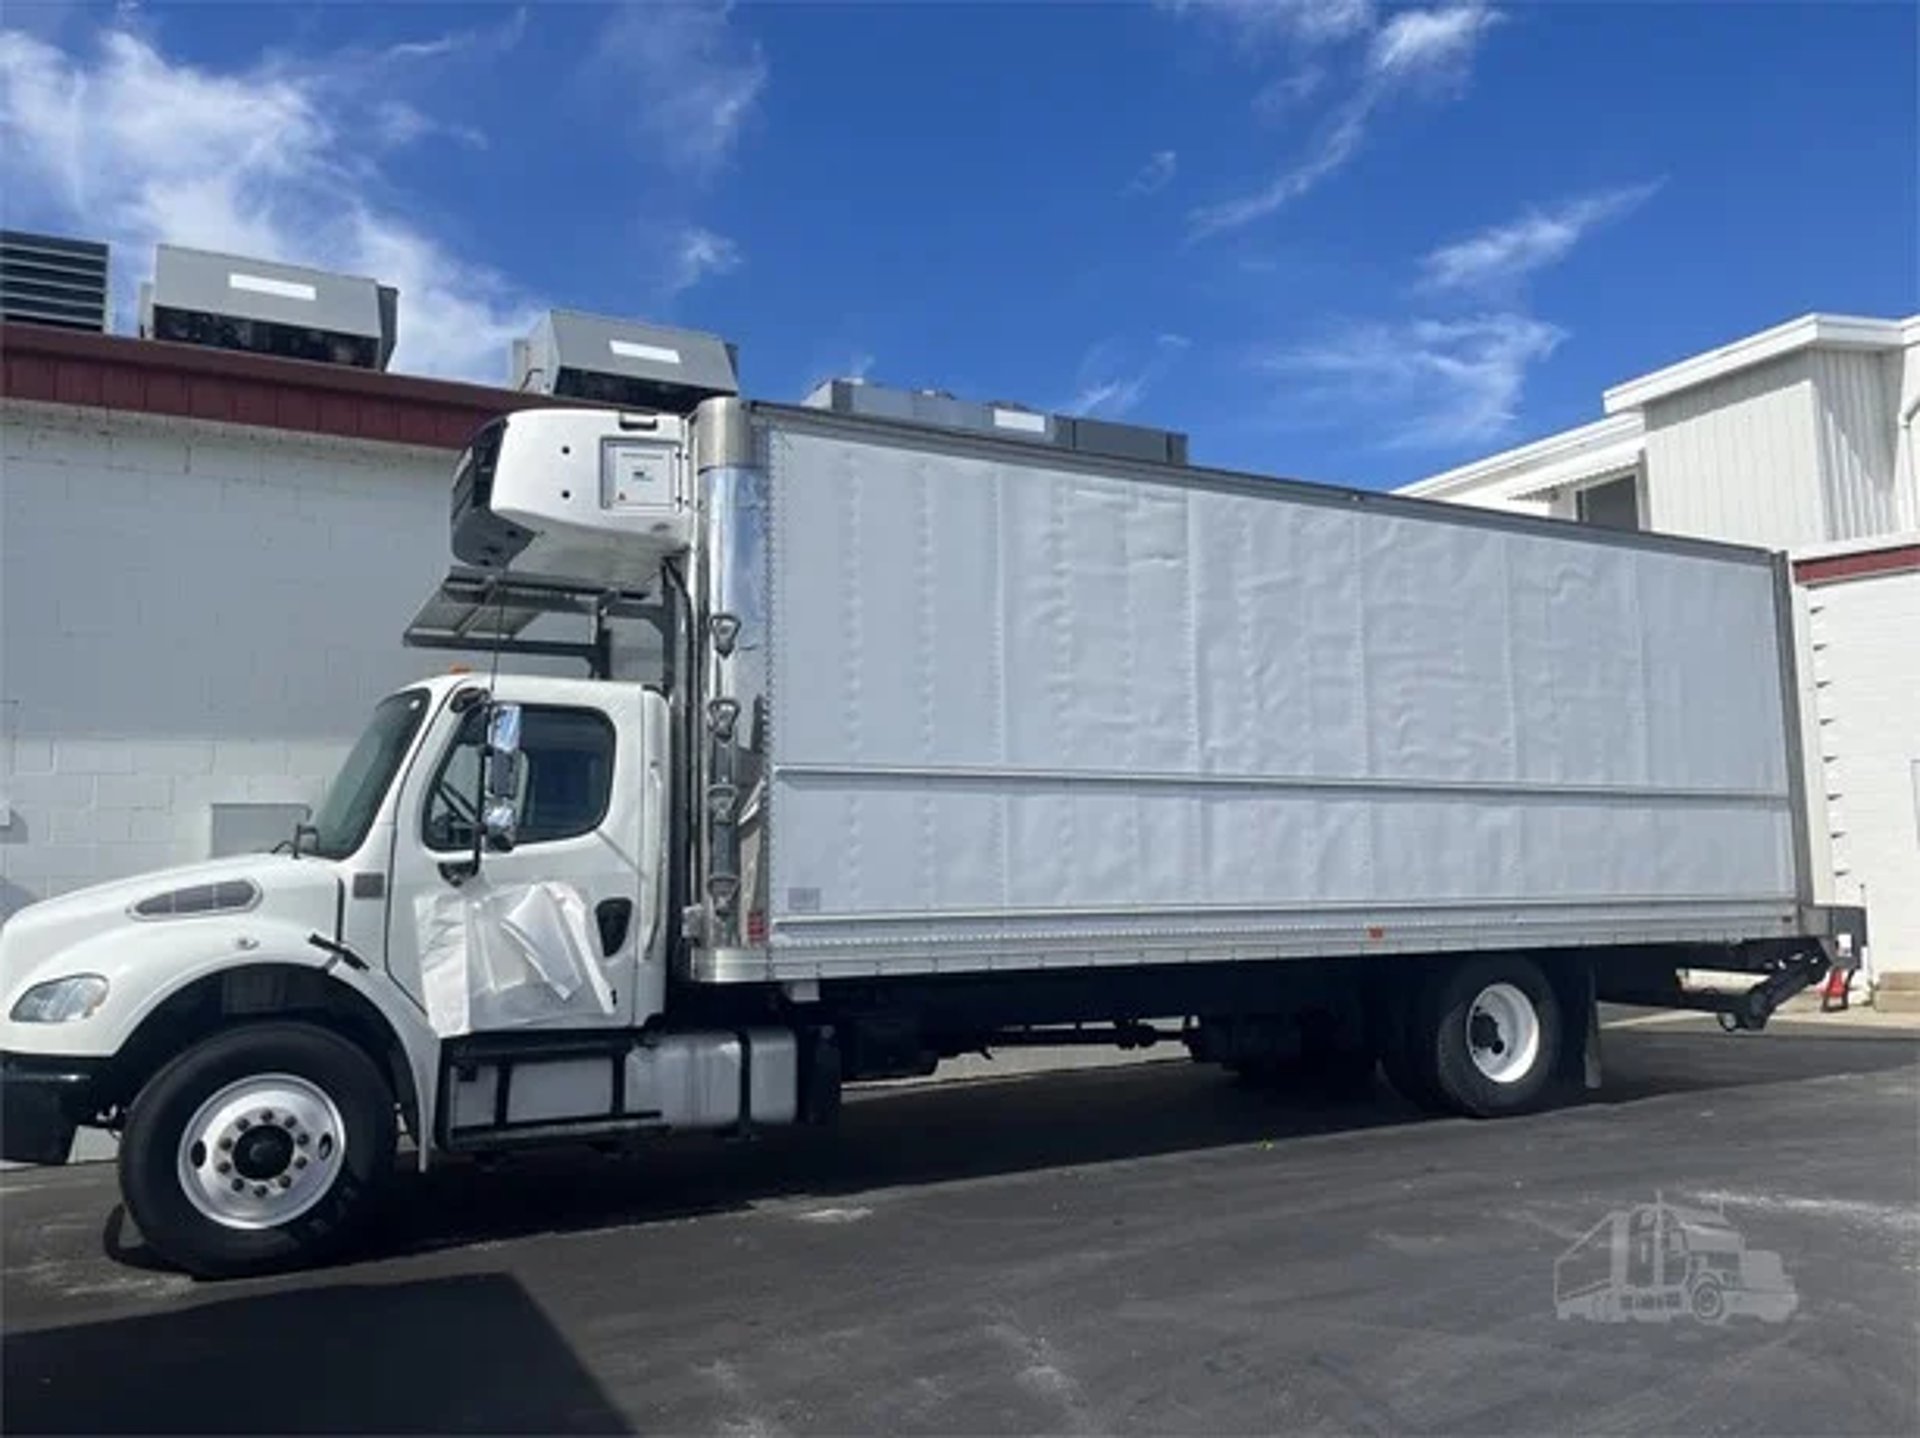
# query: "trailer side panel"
1024, 712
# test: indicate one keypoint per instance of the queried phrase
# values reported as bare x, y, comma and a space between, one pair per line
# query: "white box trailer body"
1018, 708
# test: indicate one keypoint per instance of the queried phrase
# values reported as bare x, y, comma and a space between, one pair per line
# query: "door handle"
613, 916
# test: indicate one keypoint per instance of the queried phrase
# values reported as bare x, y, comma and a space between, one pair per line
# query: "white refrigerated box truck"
960, 738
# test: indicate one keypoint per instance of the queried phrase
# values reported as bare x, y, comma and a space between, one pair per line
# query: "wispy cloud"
1115, 376
1427, 383
1427, 51
483, 40
1289, 92
121, 142
397, 123
699, 253
1429, 45
1260, 23
690, 77
1500, 256
1156, 174
1336, 144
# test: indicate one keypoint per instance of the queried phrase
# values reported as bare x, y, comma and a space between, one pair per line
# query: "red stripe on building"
117, 372
1892, 560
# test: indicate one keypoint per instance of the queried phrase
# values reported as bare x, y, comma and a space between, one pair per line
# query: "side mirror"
499, 816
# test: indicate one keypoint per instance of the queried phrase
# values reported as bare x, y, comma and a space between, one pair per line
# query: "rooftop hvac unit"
940, 410
47, 280
226, 302
621, 362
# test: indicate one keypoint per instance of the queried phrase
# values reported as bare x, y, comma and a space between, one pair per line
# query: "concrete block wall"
191, 614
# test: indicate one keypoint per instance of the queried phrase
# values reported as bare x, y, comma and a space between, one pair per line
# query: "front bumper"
42, 1102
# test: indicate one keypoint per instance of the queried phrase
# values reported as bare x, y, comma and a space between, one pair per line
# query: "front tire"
1708, 1301
259, 1148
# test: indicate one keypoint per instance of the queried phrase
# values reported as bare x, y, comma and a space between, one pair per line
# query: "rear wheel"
258, 1148
1489, 1034
1406, 1058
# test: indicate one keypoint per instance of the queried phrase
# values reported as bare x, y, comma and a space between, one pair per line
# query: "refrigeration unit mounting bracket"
479, 612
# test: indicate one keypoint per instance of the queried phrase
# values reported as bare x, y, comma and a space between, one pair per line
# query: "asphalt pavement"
1142, 1249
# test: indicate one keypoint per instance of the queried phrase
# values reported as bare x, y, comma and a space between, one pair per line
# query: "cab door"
547, 935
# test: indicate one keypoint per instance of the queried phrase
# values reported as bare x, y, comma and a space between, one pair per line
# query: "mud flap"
1574, 986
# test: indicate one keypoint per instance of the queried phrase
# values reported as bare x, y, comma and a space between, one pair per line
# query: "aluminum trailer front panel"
1022, 710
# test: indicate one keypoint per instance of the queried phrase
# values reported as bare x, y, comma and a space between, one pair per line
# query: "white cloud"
1289, 92
1338, 142
1294, 22
1416, 51
1418, 44
398, 123
1427, 383
1498, 257
1156, 174
698, 253
1115, 377
127, 146
491, 39
687, 76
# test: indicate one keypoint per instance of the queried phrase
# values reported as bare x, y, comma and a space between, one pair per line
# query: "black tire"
1708, 1301
1341, 1068
1408, 1064
1439, 1043
150, 1150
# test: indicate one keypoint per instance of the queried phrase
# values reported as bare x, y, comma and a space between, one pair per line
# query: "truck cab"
473, 931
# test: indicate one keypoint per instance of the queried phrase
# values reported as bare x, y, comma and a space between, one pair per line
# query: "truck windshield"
353, 798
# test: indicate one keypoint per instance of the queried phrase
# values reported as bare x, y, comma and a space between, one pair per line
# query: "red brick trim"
116, 372
1892, 560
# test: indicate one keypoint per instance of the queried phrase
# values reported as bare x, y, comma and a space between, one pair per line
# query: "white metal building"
1799, 438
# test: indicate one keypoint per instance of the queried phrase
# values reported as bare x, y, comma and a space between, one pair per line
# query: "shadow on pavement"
1644, 1063
471, 1354
891, 1138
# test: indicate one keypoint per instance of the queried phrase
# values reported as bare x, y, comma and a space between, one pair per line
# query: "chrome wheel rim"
261, 1151
1503, 1033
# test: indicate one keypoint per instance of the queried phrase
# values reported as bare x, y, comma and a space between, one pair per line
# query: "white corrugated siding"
1865, 636
1737, 459
1857, 391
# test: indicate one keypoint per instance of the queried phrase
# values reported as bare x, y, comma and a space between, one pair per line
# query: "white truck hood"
95, 930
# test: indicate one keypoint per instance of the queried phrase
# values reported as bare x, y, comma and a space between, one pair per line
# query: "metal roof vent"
228, 302
622, 362
934, 407
47, 280
940, 410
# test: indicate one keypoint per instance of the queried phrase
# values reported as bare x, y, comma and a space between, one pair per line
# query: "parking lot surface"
1143, 1249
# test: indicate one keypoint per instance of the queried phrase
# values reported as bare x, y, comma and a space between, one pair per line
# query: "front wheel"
258, 1148
1708, 1301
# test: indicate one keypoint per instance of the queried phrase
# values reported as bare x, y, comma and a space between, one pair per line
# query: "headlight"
61, 1001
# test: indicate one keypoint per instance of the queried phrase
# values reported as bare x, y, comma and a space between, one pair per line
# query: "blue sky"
1333, 238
